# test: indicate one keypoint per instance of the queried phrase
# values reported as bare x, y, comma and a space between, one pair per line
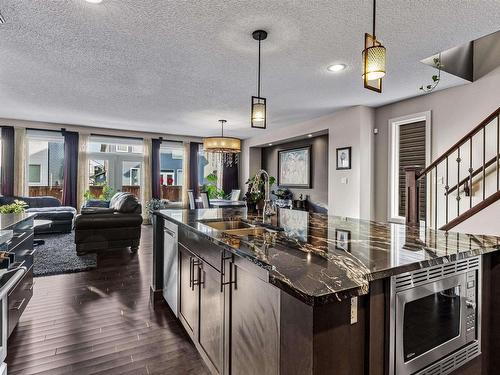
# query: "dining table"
223, 203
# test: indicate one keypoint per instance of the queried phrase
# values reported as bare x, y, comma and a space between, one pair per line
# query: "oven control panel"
471, 305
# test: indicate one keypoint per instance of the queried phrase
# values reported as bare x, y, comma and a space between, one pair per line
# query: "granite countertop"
5, 235
8, 220
310, 259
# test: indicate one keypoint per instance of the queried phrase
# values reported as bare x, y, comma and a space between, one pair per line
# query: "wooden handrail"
472, 211
474, 174
462, 140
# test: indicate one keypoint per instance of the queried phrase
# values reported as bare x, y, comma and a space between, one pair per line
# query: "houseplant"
14, 208
211, 187
255, 199
106, 193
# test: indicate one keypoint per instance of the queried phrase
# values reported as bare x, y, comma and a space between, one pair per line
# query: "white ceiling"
179, 66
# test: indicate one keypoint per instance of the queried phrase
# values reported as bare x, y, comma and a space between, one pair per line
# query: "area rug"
58, 255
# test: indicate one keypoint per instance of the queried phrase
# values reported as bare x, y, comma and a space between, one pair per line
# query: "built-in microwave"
435, 318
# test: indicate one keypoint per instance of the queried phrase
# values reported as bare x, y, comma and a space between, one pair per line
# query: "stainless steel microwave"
435, 318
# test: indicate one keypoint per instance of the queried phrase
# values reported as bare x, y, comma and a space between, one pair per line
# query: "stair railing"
452, 164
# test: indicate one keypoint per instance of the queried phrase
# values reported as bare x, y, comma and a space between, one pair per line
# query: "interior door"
212, 315
189, 293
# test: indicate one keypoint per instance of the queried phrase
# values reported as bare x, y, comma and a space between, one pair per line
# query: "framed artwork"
294, 168
342, 239
344, 158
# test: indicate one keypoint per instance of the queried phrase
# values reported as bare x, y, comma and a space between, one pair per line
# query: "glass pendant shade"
373, 63
258, 112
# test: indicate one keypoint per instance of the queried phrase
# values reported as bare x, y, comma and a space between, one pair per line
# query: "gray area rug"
58, 255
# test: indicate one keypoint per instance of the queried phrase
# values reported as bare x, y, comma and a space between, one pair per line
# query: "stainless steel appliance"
170, 266
435, 321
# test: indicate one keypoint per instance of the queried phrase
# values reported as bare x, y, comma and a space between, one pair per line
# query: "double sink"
237, 227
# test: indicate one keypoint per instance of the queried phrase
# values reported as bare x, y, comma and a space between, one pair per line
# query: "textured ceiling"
178, 66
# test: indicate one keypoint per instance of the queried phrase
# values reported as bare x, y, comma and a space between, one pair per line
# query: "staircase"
461, 182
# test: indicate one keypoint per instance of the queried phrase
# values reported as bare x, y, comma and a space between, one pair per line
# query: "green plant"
256, 197
14, 208
106, 193
211, 187
436, 78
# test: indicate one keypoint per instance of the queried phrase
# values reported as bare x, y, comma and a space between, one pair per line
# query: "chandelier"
225, 149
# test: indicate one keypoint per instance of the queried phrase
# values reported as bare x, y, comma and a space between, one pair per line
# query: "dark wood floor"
101, 322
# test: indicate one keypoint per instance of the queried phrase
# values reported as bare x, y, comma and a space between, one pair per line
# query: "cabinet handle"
190, 272
223, 271
169, 232
19, 305
196, 263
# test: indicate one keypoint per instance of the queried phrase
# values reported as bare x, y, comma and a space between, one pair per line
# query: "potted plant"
211, 187
255, 200
105, 195
154, 205
17, 207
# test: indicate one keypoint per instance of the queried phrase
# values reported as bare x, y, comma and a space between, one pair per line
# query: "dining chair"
235, 194
205, 200
192, 202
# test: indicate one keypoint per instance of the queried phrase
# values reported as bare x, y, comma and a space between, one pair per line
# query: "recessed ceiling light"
94, 1
336, 67
309, 135
270, 144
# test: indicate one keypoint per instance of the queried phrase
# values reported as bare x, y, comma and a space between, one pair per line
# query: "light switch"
344, 180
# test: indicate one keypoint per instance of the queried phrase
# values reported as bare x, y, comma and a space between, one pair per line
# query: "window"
115, 165
171, 170
34, 173
207, 165
409, 140
45, 163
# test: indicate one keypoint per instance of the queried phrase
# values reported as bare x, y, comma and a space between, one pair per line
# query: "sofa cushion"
53, 213
96, 203
125, 203
32, 202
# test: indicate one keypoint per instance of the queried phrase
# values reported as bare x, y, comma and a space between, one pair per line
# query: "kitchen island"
306, 293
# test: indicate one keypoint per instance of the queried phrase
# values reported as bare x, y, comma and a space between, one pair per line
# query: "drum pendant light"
226, 148
259, 114
373, 60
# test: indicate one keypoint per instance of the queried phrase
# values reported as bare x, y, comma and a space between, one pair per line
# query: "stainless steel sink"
227, 225
247, 231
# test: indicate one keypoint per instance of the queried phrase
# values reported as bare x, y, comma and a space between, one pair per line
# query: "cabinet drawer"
201, 247
18, 299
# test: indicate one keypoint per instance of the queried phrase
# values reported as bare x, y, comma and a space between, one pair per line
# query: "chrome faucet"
268, 207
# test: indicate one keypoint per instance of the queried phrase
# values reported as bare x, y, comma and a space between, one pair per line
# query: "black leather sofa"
103, 228
47, 208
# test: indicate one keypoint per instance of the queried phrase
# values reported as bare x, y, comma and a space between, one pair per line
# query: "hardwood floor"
101, 322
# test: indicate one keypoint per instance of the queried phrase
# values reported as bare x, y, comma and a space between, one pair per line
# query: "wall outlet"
344, 180
354, 310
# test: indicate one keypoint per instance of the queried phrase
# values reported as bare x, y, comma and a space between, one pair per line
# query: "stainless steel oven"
435, 318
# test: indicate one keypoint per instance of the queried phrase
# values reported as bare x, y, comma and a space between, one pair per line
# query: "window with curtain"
171, 170
45, 163
114, 164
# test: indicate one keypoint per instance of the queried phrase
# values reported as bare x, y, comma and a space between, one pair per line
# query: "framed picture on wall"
294, 168
342, 239
344, 158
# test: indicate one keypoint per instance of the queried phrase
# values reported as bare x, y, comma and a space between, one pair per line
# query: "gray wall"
318, 194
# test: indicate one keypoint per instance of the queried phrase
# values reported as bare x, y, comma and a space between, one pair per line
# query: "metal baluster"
458, 181
470, 173
484, 163
447, 187
436, 195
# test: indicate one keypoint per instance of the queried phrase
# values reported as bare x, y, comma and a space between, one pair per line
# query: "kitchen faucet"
268, 208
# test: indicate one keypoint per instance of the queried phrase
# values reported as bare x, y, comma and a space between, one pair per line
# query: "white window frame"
393, 158
35, 183
138, 175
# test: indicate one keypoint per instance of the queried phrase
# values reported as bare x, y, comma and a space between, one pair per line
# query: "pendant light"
373, 59
226, 149
259, 115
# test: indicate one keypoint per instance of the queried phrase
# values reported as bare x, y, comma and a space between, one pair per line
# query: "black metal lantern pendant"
373, 60
259, 115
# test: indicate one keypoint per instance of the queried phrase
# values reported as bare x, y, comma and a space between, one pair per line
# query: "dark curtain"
230, 179
194, 180
7, 161
155, 168
70, 196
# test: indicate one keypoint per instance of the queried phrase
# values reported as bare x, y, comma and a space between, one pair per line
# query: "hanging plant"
436, 78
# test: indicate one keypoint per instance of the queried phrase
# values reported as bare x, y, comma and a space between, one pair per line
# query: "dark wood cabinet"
18, 299
189, 292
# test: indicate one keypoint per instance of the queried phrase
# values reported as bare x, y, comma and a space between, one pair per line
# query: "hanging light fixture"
225, 149
373, 59
259, 103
